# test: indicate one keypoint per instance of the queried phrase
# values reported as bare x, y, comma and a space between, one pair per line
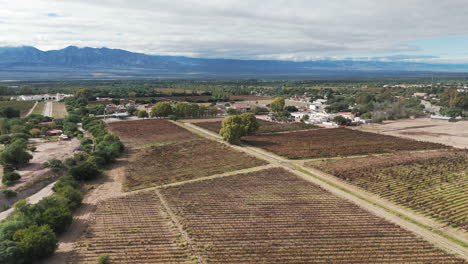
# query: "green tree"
291, 108
15, 154
10, 253
342, 121
250, 123
36, 241
142, 114
85, 171
237, 126
161, 109
278, 104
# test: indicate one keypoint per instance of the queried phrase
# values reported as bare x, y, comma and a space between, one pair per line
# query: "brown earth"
334, 142
171, 163
141, 132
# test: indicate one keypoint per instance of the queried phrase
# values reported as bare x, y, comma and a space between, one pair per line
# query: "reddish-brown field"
172, 163
132, 229
142, 132
272, 216
433, 183
334, 142
265, 126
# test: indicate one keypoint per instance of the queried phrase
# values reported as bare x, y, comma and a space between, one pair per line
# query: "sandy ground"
44, 152
439, 131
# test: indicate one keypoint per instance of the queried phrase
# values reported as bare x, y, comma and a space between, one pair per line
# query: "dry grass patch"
59, 110
273, 216
143, 133
334, 142
159, 165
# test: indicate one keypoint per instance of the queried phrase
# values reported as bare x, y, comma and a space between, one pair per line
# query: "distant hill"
24, 63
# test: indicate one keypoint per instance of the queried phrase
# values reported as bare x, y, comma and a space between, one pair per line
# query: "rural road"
370, 202
32, 109
33, 199
48, 109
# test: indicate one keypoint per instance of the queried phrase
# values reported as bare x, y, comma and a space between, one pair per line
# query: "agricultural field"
59, 110
22, 106
159, 165
273, 216
334, 142
432, 183
39, 109
143, 133
265, 126
132, 229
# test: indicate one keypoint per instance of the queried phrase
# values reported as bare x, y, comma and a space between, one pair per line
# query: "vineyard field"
273, 216
433, 183
22, 106
334, 142
132, 229
159, 165
142, 133
265, 126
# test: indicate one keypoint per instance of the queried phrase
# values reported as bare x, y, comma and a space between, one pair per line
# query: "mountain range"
29, 63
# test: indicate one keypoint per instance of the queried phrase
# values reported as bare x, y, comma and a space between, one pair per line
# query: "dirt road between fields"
32, 109
48, 109
105, 188
366, 200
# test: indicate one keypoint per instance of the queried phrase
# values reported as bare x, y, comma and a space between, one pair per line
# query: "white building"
43, 97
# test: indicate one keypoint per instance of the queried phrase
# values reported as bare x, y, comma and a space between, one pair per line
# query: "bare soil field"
449, 133
172, 163
433, 183
334, 142
145, 132
265, 126
132, 229
273, 216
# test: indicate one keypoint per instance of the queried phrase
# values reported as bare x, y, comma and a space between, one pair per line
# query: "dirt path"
32, 109
181, 229
107, 187
370, 202
33, 199
48, 109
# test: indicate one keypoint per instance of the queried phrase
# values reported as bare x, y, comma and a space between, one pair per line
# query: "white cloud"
264, 29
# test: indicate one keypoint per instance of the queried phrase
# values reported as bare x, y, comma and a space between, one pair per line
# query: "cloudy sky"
420, 30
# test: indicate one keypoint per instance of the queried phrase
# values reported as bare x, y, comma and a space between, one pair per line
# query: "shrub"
5, 139
10, 253
35, 132
10, 177
9, 193
15, 154
36, 241
104, 259
85, 171
54, 164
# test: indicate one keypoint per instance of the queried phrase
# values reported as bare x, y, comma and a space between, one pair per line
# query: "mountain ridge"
29, 62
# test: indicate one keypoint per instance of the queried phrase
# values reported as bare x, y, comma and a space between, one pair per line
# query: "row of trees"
31, 233
166, 109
